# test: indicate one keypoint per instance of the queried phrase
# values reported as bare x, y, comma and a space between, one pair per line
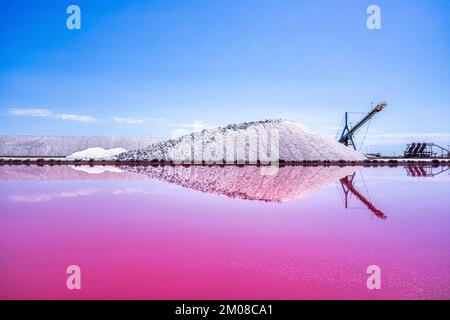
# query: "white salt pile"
96, 169
259, 142
96, 154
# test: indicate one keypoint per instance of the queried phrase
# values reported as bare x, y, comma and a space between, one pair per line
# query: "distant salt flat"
62, 146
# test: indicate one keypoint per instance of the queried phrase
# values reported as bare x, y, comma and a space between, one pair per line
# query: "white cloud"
197, 125
179, 132
187, 128
131, 120
75, 117
31, 112
442, 138
380, 137
128, 120
36, 112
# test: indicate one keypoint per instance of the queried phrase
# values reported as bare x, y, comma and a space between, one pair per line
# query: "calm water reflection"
224, 232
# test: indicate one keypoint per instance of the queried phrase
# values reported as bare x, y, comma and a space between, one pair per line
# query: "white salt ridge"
296, 143
97, 169
96, 154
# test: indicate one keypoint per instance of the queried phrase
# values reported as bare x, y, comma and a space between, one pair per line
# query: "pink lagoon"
224, 232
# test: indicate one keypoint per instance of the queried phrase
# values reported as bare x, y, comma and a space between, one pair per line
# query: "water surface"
210, 232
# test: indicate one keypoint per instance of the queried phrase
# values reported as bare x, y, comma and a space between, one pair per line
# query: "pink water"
194, 233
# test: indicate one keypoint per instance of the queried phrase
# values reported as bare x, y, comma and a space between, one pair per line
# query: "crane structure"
347, 133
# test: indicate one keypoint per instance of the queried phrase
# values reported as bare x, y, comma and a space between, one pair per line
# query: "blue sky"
147, 68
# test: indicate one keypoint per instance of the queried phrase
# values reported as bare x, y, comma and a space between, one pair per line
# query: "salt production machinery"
425, 150
349, 131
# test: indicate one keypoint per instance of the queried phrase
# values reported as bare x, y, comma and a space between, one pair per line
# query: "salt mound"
97, 169
243, 142
96, 154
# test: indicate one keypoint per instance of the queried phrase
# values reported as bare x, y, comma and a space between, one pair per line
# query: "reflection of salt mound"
97, 169
96, 154
258, 141
247, 182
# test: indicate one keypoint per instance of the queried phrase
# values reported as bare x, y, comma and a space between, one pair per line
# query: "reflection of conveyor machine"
349, 188
420, 170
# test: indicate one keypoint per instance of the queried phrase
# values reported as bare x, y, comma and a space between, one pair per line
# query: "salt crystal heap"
96, 154
262, 142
